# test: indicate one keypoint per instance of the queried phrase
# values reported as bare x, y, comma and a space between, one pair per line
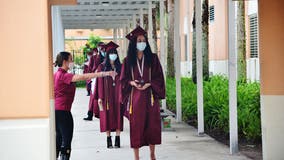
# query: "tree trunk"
205, 42
194, 78
154, 32
241, 42
170, 57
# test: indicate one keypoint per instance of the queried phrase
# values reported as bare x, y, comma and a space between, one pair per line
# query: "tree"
91, 44
170, 57
154, 32
241, 42
194, 78
205, 42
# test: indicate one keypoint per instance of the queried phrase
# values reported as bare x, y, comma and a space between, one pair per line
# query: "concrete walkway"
182, 144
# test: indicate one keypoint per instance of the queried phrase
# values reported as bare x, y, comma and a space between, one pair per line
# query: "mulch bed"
252, 150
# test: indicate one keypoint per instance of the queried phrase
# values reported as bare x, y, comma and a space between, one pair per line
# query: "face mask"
113, 57
103, 53
71, 65
141, 46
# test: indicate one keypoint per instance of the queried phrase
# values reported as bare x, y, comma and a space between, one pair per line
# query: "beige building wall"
271, 40
218, 31
26, 94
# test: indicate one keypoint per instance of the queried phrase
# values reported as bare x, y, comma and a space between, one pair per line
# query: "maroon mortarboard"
111, 45
95, 50
135, 33
101, 44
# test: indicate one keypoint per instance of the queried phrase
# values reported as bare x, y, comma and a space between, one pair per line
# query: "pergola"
122, 15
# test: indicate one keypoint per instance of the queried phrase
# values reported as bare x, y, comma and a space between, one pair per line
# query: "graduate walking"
142, 86
108, 93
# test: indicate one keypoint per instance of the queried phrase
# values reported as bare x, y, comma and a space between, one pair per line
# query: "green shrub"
81, 84
216, 105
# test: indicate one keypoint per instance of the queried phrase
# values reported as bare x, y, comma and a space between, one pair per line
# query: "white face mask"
71, 65
141, 46
103, 53
112, 57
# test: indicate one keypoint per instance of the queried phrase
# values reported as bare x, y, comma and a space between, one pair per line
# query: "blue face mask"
141, 46
103, 53
112, 57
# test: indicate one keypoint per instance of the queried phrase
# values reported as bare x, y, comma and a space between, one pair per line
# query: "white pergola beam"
93, 7
199, 73
232, 79
92, 1
95, 22
94, 17
106, 26
105, 12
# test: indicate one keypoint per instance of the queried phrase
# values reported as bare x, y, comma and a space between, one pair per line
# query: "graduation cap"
135, 33
101, 44
111, 45
95, 50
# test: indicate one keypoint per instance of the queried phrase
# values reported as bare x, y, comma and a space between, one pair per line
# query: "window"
211, 13
253, 25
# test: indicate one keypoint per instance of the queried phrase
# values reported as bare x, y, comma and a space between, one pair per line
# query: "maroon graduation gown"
93, 65
145, 121
111, 118
86, 70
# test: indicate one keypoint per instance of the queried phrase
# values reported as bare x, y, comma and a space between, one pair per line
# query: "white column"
232, 79
200, 112
121, 40
115, 35
141, 18
150, 22
162, 45
57, 31
188, 16
134, 22
124, 41
128, 29
177, 61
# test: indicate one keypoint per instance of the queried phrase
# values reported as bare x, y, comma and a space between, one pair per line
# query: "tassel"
152, 99
130, 109
130, 106
107, 106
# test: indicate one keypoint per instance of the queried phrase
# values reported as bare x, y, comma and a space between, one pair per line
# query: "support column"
25, 121
120, 40
115, 35
177, 61
124, 32
271, 40
57, 31
141, 22
188, 16
134, 22
150, 22
232, 79
163, 55
199, 64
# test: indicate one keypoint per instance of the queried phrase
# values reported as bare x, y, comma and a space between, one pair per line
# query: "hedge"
216, 105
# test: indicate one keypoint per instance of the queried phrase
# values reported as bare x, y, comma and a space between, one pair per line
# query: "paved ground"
180, 144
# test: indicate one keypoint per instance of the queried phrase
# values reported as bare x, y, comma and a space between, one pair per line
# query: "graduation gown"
111, 117
143, 107
93, 65
86, 70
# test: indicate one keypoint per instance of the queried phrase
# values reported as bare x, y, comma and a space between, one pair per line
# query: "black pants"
64, 131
